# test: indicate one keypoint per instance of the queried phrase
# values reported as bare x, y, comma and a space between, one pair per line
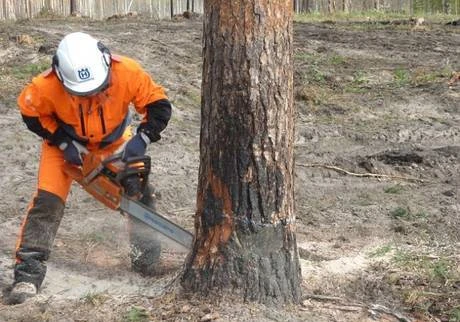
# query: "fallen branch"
350, 306
451, 294
325, 298
383, 309
362, 175
339, 307
436, 256
346, 308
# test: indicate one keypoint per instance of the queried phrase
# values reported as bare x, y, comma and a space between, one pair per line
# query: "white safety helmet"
82, 64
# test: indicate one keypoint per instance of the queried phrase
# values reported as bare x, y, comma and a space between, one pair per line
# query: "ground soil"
377, 177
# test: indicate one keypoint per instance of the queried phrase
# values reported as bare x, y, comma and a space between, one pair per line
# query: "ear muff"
55, 66
105, 53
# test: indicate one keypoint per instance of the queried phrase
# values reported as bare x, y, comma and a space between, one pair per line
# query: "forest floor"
377, 177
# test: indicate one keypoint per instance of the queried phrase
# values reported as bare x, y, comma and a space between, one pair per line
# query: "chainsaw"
119, 185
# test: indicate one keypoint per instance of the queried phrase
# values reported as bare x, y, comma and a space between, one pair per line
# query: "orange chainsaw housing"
100, 187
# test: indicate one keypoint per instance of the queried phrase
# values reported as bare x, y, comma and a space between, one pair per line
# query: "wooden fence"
96, 9
409, 7
159, 9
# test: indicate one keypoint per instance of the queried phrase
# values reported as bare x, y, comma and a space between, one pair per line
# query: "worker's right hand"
72, 149
73, 152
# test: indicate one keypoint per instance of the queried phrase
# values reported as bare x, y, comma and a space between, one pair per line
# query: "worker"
82, 103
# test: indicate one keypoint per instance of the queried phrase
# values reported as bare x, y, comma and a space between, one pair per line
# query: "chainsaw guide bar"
102, 176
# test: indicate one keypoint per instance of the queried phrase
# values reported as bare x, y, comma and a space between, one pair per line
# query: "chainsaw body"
107, 178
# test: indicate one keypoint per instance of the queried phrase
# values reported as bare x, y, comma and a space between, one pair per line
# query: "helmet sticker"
84, 74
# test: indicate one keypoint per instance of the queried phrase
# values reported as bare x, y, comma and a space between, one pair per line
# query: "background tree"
245, 222
8, 9
73, 7
331, 6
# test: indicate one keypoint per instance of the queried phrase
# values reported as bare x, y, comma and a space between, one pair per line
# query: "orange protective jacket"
95, 121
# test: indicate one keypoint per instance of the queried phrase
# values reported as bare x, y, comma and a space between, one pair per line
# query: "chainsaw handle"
112, 158
145, 159
133, 166
131, 160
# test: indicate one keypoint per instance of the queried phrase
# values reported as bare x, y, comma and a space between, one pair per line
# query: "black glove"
73, 153
136, 146
72, 149
148, 130
158, 116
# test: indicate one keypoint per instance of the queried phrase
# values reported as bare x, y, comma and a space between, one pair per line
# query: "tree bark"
245, 224
445, 6
73, 7
9, 9
331, 6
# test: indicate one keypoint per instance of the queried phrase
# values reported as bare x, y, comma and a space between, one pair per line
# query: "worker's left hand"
136, 146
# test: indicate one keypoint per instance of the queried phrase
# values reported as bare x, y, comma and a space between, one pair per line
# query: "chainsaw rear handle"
139, 165
133, 173
136, 166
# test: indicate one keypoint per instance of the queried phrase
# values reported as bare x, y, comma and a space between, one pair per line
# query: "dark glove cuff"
147, 130
58, 137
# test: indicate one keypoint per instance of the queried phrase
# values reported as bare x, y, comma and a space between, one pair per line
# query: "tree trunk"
73, 7
445, 7
244, 225
344, 6
9, 9
331, 6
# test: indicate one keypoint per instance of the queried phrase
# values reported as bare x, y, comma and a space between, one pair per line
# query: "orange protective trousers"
45, 212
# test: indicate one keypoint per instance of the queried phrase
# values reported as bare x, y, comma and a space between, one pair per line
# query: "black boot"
19, 293
34, 246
